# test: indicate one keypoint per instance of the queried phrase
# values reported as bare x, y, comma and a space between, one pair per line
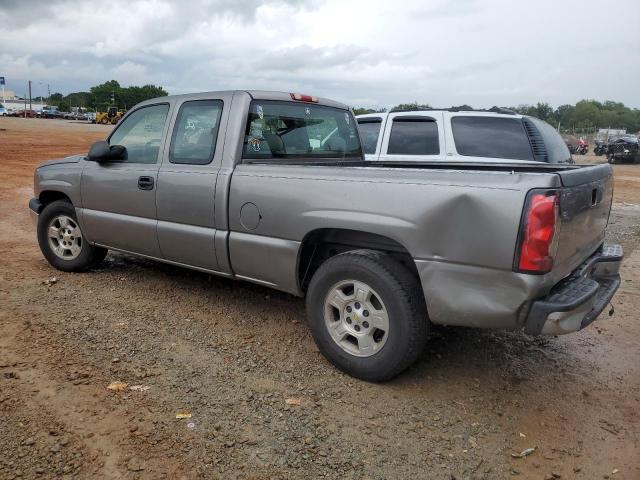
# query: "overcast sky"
364, 53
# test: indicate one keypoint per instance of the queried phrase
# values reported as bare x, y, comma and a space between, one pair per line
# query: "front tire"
367, 314
62, 242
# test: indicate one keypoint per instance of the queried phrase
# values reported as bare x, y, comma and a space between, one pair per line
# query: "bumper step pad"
587, 283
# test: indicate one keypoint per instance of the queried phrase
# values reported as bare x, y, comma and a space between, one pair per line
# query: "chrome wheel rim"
65, 237
356, 318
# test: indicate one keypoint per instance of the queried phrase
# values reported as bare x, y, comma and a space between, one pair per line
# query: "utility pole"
29, 96
2, 83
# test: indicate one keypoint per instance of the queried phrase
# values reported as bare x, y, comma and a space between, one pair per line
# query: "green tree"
100, 97
128, 97
103, 94
55, 98
564, 114
363, 111
410, 107
462, 108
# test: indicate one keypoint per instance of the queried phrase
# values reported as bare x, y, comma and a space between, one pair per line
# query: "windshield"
291, 130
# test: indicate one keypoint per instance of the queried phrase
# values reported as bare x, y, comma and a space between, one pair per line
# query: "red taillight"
299, 97
538, 233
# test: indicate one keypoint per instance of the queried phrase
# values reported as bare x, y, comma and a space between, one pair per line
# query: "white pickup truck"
465, 136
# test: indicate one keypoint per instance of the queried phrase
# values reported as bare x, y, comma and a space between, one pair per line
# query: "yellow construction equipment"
111, 116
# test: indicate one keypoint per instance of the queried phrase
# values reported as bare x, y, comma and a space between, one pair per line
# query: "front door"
119, 198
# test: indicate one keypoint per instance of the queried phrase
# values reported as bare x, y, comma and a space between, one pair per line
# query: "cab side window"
195, 132
369, 131
414, 136
491, 137
141, 133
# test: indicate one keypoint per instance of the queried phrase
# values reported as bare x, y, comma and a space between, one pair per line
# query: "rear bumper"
576, 301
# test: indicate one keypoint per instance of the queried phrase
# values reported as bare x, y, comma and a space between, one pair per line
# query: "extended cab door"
119, 198
187, 182
413, 136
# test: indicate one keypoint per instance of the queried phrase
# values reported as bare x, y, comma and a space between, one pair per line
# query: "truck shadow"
478, 357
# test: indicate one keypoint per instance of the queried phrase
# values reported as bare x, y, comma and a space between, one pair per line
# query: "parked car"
3, 112
601, 148
381, 250
51, 113
454, 135
624, 149
25, 113
75, 116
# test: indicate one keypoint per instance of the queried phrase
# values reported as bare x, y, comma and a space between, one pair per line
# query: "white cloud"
374, 53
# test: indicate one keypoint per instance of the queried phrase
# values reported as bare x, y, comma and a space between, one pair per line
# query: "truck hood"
60, 161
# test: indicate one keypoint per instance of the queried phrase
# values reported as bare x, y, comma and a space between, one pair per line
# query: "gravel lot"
263, 402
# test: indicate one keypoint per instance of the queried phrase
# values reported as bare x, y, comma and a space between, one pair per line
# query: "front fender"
60, 178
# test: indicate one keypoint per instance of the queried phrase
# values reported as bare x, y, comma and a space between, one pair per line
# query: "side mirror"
102, 152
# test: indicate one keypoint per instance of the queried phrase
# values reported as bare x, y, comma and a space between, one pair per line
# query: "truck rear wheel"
62, 242
367, 314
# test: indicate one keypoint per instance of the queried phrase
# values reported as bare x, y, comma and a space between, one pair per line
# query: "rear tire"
62, 242
367, 314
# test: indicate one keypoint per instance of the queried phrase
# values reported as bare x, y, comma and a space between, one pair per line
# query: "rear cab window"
300, 131
413, 136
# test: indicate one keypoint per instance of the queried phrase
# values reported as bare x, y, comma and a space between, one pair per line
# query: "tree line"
105, 95
584, 116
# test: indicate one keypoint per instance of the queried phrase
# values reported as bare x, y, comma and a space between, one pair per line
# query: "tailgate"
585, 202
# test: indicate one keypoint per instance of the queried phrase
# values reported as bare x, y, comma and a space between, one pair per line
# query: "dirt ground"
231, 354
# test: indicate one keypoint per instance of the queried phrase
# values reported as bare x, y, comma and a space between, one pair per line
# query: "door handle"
145, 183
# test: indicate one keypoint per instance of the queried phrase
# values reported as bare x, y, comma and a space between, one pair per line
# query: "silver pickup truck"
273, 188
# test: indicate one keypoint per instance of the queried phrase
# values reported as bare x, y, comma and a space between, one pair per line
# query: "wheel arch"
48, 196
320, 244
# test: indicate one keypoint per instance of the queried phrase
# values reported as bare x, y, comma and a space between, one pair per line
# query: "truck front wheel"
62, 242
367, 314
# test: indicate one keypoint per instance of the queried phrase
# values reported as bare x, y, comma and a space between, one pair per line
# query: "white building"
20, 105
9, 95
610, 133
